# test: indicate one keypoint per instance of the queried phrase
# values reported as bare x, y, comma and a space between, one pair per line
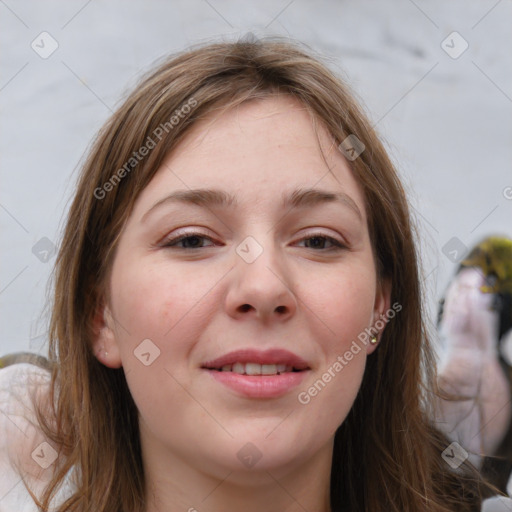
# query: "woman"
237, 318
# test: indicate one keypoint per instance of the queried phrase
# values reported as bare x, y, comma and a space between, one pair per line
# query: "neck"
177, 485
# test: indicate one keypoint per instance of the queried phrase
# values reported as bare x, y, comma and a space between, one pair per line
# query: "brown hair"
387, 453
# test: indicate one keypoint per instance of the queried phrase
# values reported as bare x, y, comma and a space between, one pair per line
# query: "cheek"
345, 303
345, 306
151, 301
327, 401
161, 311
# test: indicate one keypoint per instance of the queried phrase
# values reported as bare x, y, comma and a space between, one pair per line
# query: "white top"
22, 441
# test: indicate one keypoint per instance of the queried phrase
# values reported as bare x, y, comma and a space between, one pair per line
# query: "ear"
105, 344
381, 307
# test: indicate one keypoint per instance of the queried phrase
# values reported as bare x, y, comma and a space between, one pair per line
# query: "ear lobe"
104, 343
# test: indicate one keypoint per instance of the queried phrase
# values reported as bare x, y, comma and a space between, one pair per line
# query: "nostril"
247, 307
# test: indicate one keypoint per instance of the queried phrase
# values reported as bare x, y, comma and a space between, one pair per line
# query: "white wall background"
446, 121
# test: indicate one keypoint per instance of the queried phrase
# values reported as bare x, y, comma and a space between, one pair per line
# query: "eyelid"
198, 229
178, 237
337, 244
311, 234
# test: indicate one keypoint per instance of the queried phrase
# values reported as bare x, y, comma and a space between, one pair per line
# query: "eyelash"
173, 242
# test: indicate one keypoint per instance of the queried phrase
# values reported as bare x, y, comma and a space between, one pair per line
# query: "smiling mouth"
256, 369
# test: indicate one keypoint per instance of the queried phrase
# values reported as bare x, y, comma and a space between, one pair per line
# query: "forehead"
256, 151
280, 125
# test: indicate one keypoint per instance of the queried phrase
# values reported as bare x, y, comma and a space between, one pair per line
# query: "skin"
198, 304
470, 367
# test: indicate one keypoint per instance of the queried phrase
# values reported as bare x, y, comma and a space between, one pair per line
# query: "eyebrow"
299, 198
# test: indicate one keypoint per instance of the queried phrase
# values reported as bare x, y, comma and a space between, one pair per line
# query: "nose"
261, 289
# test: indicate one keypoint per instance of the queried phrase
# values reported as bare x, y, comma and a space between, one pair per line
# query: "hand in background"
468, 321
470, 368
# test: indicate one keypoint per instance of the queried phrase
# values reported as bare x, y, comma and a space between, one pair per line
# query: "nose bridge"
258, 257
262, 280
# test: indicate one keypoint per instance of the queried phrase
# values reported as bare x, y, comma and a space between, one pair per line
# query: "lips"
258, 374
257, 362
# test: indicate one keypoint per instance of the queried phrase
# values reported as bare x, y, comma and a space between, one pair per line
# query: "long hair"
387, 453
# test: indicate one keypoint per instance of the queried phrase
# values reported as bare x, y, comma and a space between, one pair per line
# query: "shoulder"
20, 384
24, 450
20, 374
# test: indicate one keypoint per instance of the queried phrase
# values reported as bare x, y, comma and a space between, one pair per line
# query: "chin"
253, 454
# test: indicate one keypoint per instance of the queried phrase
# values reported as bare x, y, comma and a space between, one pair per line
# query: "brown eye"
319, 241
188, 241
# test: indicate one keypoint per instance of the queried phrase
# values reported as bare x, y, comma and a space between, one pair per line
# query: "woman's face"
275, 279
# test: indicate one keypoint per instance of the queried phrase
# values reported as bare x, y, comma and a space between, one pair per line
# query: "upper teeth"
257, 369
